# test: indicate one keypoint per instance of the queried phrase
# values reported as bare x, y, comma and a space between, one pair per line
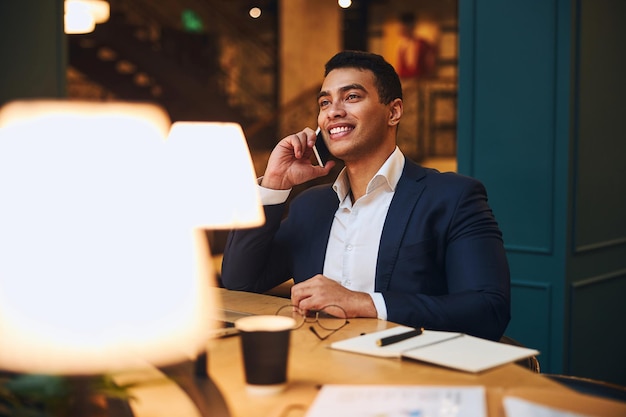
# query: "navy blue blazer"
441, 262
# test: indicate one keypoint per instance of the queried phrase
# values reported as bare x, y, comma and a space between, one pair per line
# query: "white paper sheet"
516, 407
398, 401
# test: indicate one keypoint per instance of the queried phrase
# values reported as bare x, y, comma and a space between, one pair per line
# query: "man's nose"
336, 109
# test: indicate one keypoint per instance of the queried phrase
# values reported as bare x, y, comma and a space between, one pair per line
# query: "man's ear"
395, 112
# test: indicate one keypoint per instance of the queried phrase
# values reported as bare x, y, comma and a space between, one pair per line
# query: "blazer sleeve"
253, 261
457, 278
285, 247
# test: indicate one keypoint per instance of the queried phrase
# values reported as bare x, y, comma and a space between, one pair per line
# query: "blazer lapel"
408, 191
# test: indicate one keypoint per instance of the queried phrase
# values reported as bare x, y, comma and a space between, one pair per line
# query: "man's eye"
352, 96
323, 103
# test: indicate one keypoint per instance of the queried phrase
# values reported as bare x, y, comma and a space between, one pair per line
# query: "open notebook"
225, 323
449, 349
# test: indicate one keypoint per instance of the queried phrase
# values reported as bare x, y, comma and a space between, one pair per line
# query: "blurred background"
260, 63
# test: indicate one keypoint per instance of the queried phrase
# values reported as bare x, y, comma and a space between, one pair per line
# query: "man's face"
354, 121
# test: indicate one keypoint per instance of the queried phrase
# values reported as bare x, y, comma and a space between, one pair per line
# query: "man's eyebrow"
343, 89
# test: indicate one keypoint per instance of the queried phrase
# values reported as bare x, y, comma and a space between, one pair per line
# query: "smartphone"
322, 154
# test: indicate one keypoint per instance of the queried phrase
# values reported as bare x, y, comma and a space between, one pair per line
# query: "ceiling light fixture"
344, 4
81, 16
255, 12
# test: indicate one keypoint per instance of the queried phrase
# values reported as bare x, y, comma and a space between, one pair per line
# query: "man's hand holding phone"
290, 162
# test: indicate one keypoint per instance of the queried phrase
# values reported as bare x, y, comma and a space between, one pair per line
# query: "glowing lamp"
103, 261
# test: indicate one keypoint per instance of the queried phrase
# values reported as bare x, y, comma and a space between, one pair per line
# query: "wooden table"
312, 364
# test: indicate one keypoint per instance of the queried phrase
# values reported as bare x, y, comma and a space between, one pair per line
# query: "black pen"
398, 337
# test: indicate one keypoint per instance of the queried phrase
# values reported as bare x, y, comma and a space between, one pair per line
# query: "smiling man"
389, 238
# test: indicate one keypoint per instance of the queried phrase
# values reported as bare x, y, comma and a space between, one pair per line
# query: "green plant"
29, 395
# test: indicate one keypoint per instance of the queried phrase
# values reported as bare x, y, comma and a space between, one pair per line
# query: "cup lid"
265, 323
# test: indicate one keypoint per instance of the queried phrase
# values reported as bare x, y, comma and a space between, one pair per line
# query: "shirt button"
349, 247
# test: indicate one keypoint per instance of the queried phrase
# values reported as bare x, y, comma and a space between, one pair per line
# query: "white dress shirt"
352, 250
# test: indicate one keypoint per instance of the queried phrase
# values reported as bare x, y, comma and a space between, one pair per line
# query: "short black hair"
387, 80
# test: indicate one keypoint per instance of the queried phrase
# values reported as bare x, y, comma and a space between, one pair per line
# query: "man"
389, 238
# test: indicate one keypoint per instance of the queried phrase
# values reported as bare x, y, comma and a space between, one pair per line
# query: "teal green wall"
597, 268
541, 115
33, 50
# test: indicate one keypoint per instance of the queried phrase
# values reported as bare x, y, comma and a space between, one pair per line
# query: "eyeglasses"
331, 318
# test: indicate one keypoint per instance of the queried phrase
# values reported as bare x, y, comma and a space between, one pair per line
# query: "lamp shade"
102, 264
220, 149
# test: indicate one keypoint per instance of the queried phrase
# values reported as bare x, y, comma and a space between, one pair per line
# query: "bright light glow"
344, 4
78, 18
100, 9
81, 16
255, 12
103, 261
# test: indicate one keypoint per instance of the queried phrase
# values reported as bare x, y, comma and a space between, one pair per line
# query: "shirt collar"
389, 173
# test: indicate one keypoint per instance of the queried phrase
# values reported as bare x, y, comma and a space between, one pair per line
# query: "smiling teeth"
339, 130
